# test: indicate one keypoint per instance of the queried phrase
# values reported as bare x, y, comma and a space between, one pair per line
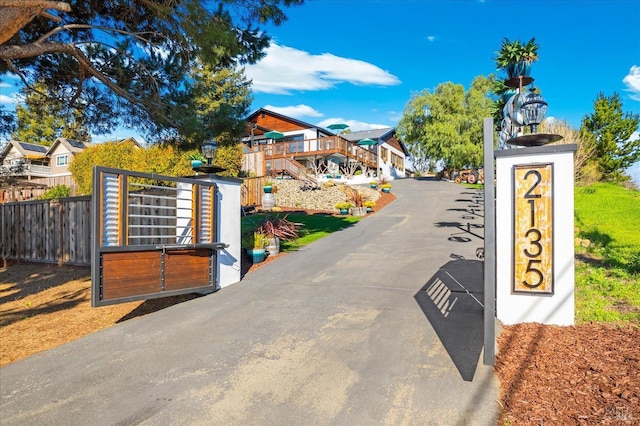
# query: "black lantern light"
209, 148
534, 109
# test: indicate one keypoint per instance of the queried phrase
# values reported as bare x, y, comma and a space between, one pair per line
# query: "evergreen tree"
129, 62
612, 130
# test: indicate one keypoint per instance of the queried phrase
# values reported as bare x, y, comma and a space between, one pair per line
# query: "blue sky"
359, 61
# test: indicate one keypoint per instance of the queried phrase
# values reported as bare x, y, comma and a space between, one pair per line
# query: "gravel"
290, 195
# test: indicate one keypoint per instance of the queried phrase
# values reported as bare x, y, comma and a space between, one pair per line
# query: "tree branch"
36, 49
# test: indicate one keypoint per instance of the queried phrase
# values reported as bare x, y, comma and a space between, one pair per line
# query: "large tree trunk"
15, 14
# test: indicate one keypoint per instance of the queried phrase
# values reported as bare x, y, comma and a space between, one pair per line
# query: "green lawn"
608, 270
313, 227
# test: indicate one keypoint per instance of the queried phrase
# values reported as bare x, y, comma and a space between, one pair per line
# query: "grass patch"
313, 226
608, 268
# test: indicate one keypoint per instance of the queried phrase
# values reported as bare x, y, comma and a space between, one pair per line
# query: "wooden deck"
322, 147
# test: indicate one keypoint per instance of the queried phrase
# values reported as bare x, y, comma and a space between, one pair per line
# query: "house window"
397, 161
62, 160
384, 154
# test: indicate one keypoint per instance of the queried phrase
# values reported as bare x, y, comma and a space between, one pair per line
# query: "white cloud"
431, 38
632, 80
354, 125
4, 99
285, 69
295, 111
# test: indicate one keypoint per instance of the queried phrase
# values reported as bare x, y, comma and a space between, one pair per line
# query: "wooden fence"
47, 231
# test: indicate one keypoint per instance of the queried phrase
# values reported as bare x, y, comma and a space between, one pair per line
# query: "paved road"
378, 324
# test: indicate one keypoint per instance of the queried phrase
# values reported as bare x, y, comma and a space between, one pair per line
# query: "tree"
446, 124
583, 160
612, 130
126, 61
7, 123
213, 104
42, 119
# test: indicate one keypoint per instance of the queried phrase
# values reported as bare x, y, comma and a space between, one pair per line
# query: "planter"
344, 211
273, 246
369, 209
374, 185
359, 211
267, 189
386, 190
268, 201
196, 163
256, 255
519, 69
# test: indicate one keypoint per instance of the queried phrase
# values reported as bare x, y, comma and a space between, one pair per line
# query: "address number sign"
533, 228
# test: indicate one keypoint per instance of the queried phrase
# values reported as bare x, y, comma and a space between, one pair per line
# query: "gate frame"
97, 209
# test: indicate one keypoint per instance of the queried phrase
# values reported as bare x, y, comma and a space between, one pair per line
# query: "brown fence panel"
48, 231
251, 191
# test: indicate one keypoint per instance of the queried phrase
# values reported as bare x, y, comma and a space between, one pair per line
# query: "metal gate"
153, 236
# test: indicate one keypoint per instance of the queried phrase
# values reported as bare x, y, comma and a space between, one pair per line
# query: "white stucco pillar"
535, 276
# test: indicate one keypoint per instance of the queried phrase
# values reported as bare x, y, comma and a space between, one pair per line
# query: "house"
391, 151
277, 144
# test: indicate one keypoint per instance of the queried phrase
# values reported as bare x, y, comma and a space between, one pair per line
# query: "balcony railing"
320, 146
25, 169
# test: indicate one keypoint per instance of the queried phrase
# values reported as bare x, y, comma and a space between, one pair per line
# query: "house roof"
300, 123
371, 134
28, 150
72, 145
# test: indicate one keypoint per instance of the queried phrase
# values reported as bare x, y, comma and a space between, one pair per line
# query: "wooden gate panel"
130, 274
188, 268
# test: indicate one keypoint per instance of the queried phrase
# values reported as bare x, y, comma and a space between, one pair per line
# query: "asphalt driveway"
378, 324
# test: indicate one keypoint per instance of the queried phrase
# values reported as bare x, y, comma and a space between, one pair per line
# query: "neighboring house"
61, 153
24, 159
277, 144
391, 152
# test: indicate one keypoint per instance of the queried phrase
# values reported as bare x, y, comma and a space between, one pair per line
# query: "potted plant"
385, 187
356, 198
277, 228
197, 159
516, 57
267, 187
255, 242
373, 184
343, 206
369, 205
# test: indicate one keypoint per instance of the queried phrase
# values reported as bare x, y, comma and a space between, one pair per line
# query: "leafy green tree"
42, 119
446, 124
159, 159
128, 62
612, 130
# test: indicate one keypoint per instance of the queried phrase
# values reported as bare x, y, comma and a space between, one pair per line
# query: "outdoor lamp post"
209, 148
534, 109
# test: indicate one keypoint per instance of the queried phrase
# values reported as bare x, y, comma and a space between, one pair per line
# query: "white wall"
228, 225
557, 308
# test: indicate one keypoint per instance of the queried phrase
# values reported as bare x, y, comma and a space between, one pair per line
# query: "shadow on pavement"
452, 302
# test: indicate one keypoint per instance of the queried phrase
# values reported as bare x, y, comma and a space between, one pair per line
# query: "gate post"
534, 235
227, 204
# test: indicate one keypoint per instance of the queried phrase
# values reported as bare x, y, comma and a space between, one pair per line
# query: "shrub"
58, 191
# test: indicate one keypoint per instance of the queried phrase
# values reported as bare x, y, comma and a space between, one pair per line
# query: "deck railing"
320, 146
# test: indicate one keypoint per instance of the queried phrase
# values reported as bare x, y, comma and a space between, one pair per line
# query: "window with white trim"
62, 160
